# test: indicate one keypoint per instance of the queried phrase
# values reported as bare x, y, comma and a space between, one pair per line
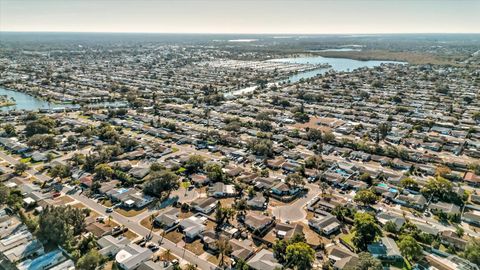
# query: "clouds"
241, 16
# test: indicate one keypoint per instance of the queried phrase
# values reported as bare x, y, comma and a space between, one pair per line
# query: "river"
337, 64
27, 102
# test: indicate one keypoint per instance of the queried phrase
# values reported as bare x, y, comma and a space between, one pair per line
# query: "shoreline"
7, 104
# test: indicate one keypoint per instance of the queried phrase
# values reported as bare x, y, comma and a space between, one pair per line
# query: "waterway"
28, 102
337, 64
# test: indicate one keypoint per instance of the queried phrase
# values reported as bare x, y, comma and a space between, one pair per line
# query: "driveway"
142, 231
186, 196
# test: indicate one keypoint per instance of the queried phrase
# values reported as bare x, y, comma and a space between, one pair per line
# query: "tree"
279, 249
443, 171
341, 212
280, 246
214, 172
60, 171
410, 248
43, 141
472, 251
20, 168
261, 147
4, 193
155, 167
328, 137
365, 230
159, 182
90, 261
314, 135
194, 164
9, 130
103, 172
128, 144
300, 255
409, 183
58, 225
440, 187
366, 197
314, 162
190, 267
264, 126
77, 159
476, 116
295, 179
223, 214
241, 265
390, 227
224, 248
365, 177
41, 126
383, 129
366, 262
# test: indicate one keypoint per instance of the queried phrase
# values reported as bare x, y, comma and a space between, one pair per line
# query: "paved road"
295, 211
142, 231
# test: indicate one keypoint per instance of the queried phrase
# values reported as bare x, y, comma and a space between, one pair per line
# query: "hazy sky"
242, 16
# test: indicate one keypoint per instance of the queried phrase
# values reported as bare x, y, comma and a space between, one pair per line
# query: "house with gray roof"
132, 256
110, 246
264, 260
385, 250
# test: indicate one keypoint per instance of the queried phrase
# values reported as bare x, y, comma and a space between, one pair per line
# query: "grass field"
129, 213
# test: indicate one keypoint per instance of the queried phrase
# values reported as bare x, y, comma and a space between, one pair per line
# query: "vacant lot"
130, 212
174, 236
196, 247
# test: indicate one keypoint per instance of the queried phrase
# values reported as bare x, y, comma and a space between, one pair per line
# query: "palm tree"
152, 219
224, 249
167, 254
323, 187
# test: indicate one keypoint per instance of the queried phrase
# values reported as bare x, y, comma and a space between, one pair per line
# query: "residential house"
452, 239
204, 205
385, 217
411, 200
447, 208
257, 202
110, 246
342, 258
167, 219
193, 226
472, 217
132, 256
385, 250
258, 223
30, 249
325, 224
264, 260
472, 179
199, 179
451, 262
241, 249
220, 190
287, 231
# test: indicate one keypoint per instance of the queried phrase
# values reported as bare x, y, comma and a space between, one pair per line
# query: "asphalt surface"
142, 231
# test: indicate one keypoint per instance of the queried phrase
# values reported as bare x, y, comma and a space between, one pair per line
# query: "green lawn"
25, 160
348, 239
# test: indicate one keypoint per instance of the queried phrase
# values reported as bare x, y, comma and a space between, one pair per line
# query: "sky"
242, 16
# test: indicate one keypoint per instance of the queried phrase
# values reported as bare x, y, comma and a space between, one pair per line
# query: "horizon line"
236, 33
